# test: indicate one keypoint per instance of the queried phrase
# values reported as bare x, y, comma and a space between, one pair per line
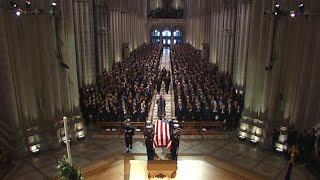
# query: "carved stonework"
162, 168
160, 176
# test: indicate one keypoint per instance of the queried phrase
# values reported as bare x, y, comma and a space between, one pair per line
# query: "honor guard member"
148, 122
175, 138
171, 123
128, 133
148, 137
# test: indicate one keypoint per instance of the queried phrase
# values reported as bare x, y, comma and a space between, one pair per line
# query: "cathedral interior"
159, 89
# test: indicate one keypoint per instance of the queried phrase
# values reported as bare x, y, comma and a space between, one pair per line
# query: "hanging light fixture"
54, 3
28, 4
277, 9
301, 8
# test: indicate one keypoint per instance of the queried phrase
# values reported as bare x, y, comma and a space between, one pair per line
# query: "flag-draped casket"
162, 135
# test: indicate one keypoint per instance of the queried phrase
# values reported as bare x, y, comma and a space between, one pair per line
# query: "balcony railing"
175, 21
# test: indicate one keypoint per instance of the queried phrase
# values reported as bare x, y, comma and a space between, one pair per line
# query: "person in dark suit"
175, 138
179, 111
159, 82
237, 117
215, 112
167, 83
128, 134
148, 137
229, 118
161, 102
207, 115
223, 116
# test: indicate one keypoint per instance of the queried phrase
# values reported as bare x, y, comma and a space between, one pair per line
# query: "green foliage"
65, 170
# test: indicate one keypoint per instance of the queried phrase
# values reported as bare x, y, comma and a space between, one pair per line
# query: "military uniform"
148, 136
175, 138
128, 134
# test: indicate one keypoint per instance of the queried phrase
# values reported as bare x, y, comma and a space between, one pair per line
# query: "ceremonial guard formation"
128, 134
148, 136
175, 138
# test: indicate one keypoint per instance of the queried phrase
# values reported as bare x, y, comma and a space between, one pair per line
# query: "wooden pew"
110, 128
212, 127
118, 127
187, 127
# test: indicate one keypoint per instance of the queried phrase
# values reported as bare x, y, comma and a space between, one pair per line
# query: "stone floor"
43, 165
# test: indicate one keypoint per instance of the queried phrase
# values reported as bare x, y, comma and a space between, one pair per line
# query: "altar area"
134, 167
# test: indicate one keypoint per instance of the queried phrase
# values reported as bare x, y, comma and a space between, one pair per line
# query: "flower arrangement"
67, 171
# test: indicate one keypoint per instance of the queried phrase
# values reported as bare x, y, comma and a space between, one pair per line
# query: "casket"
162, 135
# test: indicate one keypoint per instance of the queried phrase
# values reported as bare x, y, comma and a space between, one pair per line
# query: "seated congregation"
124, 91
201, 92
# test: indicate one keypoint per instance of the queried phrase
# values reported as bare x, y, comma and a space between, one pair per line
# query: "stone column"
227, 45
216, 28
102, 31
241, 46
84, 35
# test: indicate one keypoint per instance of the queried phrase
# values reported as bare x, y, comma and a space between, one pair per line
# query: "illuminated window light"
54, 4
277, 5
301, 8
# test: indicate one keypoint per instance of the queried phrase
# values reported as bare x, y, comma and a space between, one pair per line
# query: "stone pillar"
241, 43
216, 29
84, 35
102, 31
225, 60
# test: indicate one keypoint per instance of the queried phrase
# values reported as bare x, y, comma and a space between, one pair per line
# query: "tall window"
155, 33
177, 33
166, 33
177, 36
155, 36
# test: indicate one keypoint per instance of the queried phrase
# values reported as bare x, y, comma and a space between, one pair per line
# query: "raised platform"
135, 167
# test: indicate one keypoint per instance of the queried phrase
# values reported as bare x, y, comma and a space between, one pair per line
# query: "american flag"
162, 135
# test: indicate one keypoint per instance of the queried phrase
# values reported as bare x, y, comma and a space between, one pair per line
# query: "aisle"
165, 62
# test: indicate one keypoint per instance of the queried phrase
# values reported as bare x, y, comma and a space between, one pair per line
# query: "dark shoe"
128, 151
131, 147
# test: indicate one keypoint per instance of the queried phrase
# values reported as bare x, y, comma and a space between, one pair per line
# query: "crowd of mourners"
126, 90
201, 92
